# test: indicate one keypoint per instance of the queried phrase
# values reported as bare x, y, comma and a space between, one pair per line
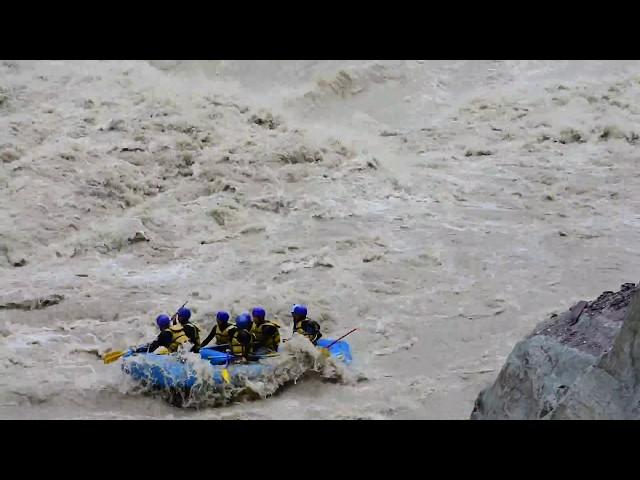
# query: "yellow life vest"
178, 337
239, 349
223, 336
271, 342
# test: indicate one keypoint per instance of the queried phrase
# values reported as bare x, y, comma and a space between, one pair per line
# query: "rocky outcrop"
32, 303
582, 364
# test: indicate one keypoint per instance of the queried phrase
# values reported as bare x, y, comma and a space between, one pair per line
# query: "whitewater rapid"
441, 207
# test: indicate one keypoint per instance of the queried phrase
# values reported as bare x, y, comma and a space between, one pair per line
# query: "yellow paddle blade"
226, 376
325, 352
112, 357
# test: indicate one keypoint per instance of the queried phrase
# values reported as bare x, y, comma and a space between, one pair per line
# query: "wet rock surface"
581, 364
32, 303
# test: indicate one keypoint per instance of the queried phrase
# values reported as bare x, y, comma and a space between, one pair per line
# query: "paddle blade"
112, 357
325, 352
226, 376
269, 355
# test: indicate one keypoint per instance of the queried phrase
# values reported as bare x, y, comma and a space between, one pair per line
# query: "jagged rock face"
610, 389
582, 364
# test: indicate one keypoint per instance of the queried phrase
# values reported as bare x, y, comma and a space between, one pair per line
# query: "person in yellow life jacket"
243, 341
163, 341
305, 326
191, 330
266, 332
222, 331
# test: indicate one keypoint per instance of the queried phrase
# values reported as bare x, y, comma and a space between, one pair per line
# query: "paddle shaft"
336, 341
176, 314
112, 356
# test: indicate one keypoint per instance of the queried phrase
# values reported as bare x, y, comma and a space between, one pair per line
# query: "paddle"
113, 356
336, 341
173, 318
325, 350
213, 347
225, 373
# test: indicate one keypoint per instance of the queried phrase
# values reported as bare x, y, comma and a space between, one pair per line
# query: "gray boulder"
582, 364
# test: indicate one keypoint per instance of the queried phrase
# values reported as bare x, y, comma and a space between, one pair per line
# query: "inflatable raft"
168, 372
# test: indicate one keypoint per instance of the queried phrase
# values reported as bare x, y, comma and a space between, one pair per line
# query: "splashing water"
259, 380
440, 207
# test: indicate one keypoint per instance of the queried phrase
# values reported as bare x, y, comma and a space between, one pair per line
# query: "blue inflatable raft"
168, 372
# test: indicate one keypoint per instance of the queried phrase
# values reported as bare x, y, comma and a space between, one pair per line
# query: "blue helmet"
243, 321
163, 321
222, 316
258, 312
299, 310
184, 313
